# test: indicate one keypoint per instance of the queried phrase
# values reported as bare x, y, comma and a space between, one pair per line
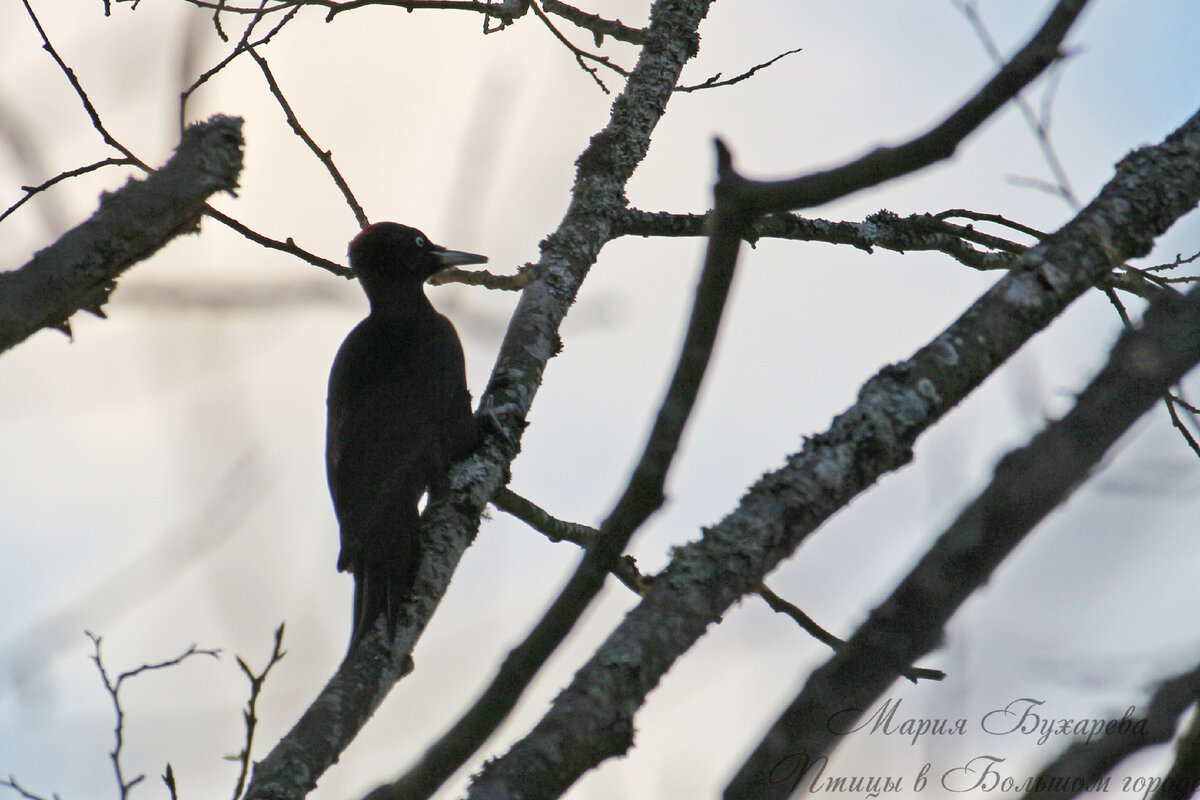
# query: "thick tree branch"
1153, 187
599, 26
885, 163
451, 519
1028, 484
642, 497
1095, 758
80, 269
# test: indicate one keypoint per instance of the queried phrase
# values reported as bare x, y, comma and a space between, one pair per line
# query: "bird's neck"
399, 303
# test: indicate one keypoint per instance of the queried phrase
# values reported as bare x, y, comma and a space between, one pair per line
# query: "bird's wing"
398, 413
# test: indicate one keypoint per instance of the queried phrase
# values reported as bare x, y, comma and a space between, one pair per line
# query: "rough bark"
79, 271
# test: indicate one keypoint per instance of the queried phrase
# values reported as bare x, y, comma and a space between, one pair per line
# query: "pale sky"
163, 480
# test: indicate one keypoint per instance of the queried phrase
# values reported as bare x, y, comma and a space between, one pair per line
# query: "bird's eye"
421, 241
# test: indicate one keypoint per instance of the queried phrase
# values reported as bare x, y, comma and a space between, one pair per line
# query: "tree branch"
1094, 759
452, 517
715, 81
30, 191
79, 271
1028, 484
599, 26
324, 156
1152, 188
940, 142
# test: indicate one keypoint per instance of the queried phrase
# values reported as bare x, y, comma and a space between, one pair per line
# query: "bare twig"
324, 156
79, 91
30, 191
1038, 123
579, 53
11, 782
1173, 402
557, 530
781, 606
168, 779
508, 10
883, 229
536, 517
963, 213
715, 81
113, 687
242, 46
288, 245
250, 716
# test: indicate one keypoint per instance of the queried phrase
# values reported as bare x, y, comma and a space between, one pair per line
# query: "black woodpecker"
399, 414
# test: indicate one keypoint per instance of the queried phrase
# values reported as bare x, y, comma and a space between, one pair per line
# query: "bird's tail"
381, 585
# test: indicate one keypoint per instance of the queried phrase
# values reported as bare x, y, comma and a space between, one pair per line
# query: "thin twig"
168, 779
250, 716
288, 245
881, 229
781, 606
557, 530
964, 213
240, 48
217, 19
1172, 401
1039, 124
113, 687
507, 11
83, 97
715, 81
579, 53
30, 191
324, 156
11, 782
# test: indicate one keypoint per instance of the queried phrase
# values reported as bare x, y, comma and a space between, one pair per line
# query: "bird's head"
388, 256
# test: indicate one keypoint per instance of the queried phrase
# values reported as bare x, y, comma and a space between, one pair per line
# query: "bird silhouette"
399, 414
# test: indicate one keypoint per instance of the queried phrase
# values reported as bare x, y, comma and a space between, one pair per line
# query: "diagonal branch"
592, 719
450, 520
80, 269
940, 142
1093, 759
242, 46
30, 191
643, 496
579, 53
324, 156
599, 26
1028, 484
92, 113
715, 81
